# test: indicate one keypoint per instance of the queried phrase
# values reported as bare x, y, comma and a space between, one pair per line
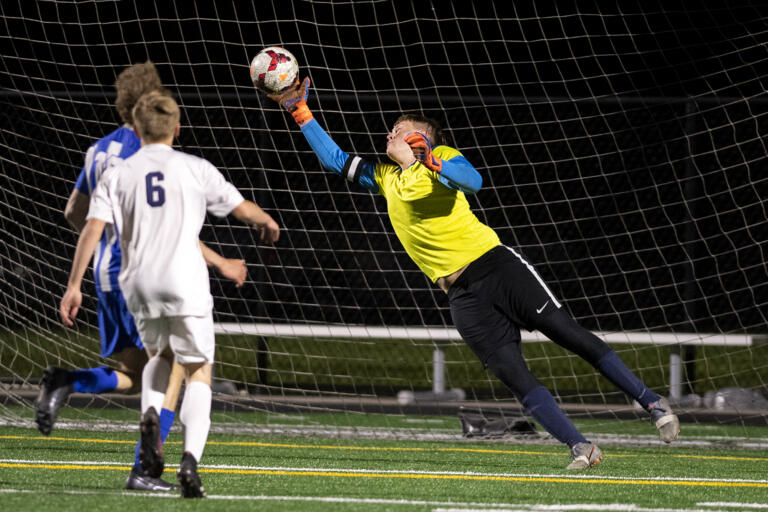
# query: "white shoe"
665, 420
585, 455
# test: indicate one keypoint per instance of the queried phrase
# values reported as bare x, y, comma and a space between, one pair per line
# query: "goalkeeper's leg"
561, 328
508, 365
496, 341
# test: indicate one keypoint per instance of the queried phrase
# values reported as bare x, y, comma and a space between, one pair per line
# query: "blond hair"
155, 117
132, 84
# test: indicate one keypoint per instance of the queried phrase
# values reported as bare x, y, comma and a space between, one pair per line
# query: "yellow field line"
538, 479
77, 439
372, 448
390, 448
486, 478
287, 445
19, 465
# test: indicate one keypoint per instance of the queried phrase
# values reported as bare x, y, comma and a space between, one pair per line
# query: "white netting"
621, 149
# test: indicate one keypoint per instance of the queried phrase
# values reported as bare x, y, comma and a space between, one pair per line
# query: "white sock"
195, 414
154, 381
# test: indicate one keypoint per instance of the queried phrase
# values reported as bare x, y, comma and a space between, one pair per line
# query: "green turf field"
86, 469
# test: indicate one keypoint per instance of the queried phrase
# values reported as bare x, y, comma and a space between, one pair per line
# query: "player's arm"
455, 172
252, 214
86, 245
77, 209
232, 269
332, 158
222, 199
458, 173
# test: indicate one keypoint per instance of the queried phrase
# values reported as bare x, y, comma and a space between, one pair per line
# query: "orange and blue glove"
294, 100
422, 150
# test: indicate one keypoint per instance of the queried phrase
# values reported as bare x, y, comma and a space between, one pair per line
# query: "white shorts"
191, 338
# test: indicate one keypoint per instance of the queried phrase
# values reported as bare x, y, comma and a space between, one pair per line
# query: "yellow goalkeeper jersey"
433, 222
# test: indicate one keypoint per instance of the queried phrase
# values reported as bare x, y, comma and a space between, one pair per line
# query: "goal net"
622, 152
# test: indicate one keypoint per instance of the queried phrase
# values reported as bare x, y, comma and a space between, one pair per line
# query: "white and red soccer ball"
274, 69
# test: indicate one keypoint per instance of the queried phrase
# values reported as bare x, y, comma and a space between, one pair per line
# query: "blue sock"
542, 406
93, 380
622, 377
136, 461
166, 422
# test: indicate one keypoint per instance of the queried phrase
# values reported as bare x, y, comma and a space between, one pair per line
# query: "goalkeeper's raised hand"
294, 100
422, 150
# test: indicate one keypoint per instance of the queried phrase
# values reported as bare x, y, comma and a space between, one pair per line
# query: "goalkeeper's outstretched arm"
455, 173
332, 158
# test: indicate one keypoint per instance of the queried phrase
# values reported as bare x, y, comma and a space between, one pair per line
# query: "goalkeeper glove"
422, 150
294, 100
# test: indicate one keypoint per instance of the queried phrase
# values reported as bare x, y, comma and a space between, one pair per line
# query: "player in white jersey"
119, 337
156, 200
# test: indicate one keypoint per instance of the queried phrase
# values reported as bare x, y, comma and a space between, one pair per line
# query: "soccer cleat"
54, 391
139, 482
151, 450
664, 419
584, 455
191, 487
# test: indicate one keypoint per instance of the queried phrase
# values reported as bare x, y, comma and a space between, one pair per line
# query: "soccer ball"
274, 69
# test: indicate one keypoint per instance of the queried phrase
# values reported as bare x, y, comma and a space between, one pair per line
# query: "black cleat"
151, 451
191, 487
139, 482
54, 391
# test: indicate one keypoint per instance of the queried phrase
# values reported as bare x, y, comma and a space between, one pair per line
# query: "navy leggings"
494, 297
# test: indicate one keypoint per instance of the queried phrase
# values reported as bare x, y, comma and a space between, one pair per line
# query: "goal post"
622, 152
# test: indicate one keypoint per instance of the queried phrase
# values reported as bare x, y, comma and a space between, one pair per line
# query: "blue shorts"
116, 325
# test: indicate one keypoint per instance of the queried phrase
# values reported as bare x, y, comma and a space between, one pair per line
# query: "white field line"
570, 476
732, 504
618, 507
454, 506
574, 506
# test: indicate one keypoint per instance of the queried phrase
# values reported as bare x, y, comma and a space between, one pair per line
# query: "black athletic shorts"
495, 296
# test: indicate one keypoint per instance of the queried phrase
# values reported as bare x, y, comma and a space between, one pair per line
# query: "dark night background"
622, 148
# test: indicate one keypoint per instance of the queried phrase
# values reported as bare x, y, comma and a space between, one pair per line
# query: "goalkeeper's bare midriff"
445, 282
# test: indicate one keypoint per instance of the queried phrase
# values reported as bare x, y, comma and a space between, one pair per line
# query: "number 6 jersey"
156, 201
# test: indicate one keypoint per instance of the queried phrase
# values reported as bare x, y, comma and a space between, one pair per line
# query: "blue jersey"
105, 153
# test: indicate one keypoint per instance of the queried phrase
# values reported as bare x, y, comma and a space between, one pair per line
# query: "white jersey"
156, 200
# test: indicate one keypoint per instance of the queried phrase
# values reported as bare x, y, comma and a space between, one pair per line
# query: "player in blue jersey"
119, 337
492, 290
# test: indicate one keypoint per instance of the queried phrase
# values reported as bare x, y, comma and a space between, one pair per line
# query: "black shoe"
191, 487
137, 482
151, 451
54, 391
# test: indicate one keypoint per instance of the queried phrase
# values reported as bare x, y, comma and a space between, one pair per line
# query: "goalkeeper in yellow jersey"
493, 291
